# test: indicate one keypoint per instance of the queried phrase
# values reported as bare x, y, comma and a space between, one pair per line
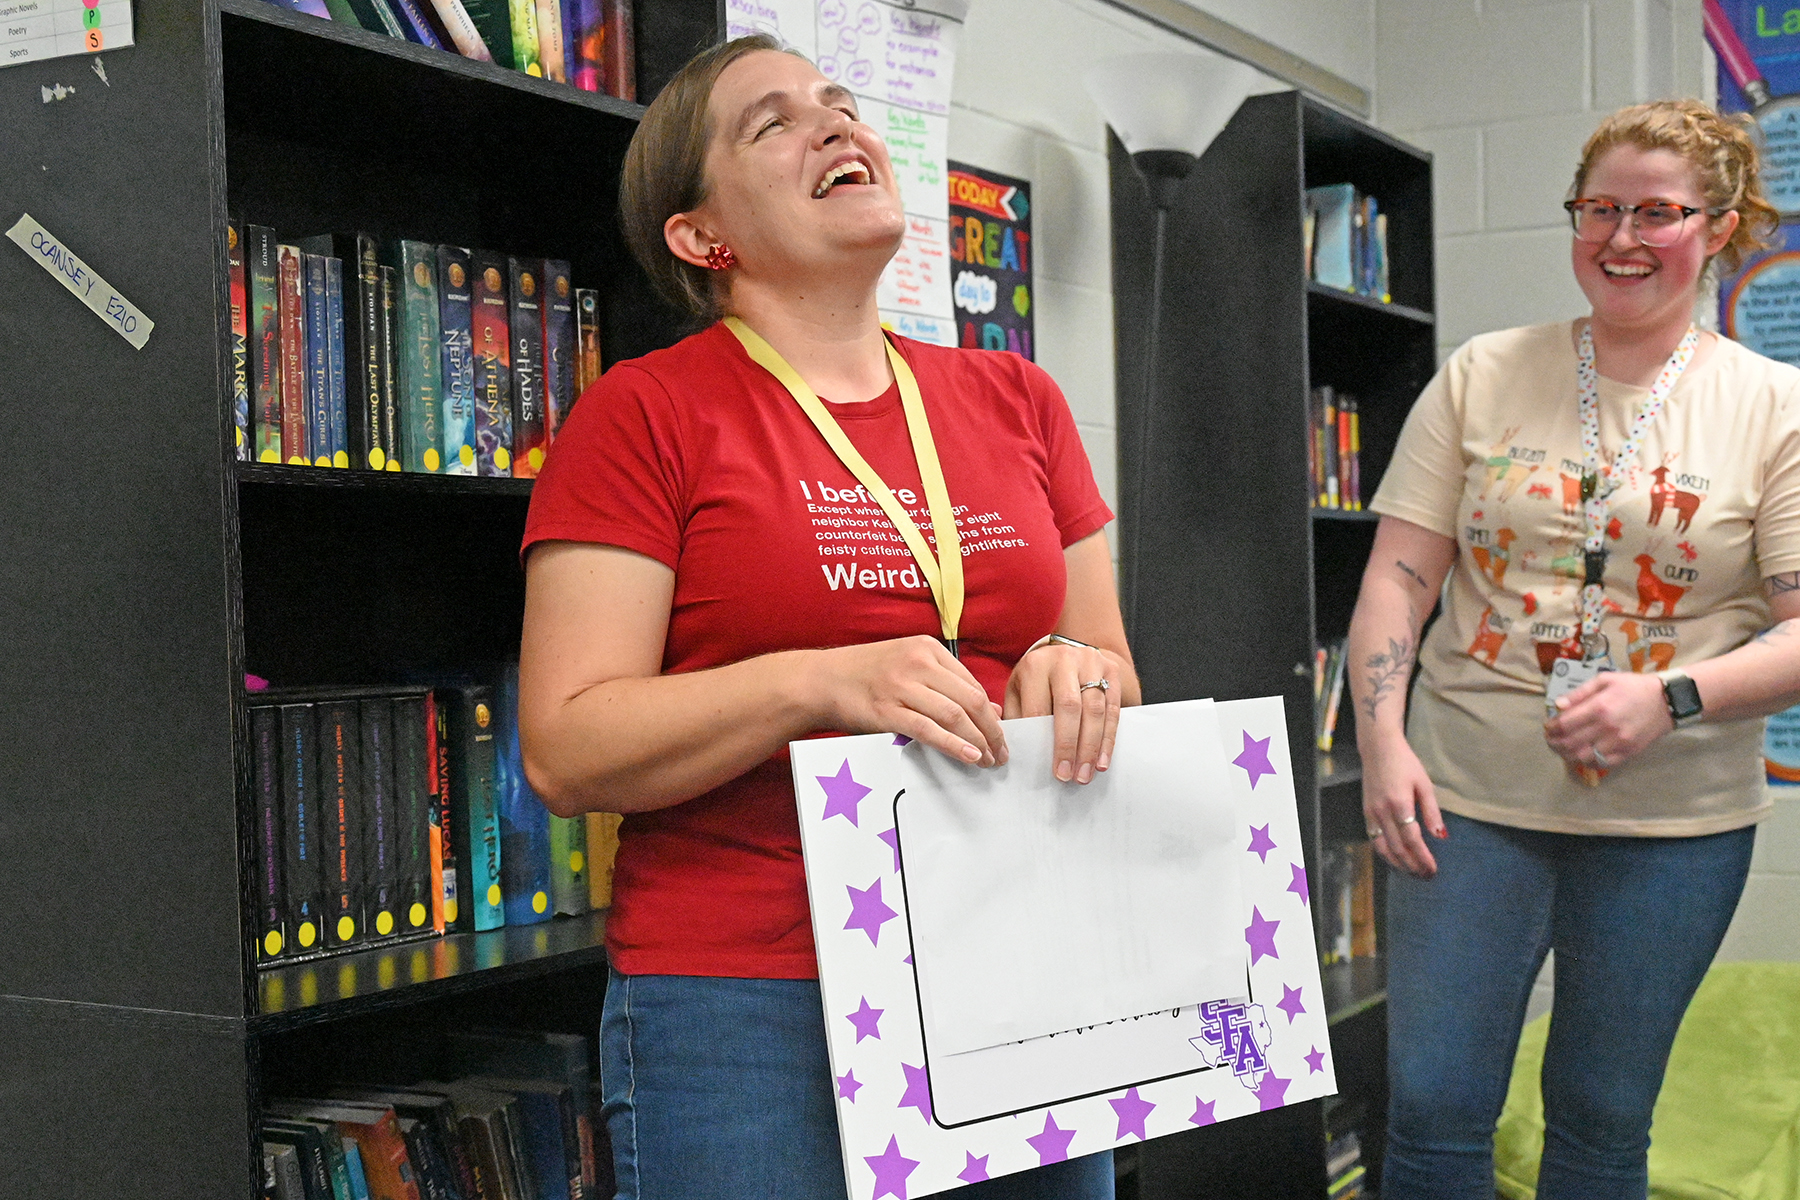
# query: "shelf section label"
121, 315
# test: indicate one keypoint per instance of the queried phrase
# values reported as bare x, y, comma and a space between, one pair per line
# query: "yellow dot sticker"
535, 456
324, 460
268, 456
272, 943
240, 437
377, 459
307, 935
393, 464
296, 460
416, 914
503, 458
433, 460
340, 458
493, 895
450, 911
466, 455
384, 923
534, 69
346, 928
576, 861
539, 902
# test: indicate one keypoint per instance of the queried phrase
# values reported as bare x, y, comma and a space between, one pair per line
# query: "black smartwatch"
1682, 697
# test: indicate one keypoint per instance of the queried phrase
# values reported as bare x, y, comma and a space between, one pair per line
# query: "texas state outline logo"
1233, 1033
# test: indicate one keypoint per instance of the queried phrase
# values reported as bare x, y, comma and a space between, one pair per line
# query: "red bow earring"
720, 258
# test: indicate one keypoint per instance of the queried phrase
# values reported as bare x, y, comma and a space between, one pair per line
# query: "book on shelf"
602, 853
239, 301
1328, 690
587, 337
569, 891
524, 821
1334, 449
1345, 239
281, 1165
1344, 1170
415, 357
1347, 909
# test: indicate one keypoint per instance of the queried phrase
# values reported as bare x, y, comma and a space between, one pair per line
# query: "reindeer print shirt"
1491, 456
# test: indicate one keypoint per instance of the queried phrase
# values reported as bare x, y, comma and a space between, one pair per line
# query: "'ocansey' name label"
120, 314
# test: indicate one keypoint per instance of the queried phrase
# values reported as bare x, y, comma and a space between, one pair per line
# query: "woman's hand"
1609, 720
1398, 805
1049, 681
911, 686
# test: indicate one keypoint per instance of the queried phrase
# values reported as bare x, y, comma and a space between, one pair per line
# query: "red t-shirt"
698, 458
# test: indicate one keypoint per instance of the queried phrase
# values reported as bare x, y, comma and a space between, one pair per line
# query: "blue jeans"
1635, 923
721, 1089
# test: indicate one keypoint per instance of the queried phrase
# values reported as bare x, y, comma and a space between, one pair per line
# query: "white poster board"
945, 1076
897, 57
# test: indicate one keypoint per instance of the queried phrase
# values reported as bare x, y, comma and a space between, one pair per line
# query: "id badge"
1567, 674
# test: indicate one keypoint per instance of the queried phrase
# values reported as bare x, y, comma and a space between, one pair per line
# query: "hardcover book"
568, 865
587, 334
619, 50
263, 267
415, 25
461, 27
523, 15
290, 1180
559, 346
243, 435
458, 372
545, 1134
294, 448
602, 852
390, 384
371, 15
550, 40
446, 906
376, 775
437, 1114
265, 748
376, 1132
413, 780
419, 352
530, 433
309, 1148
318, 360
493, 20
339, 762
363, 338
303, 842
490, 330
524, 821
584, 32
475, 825
334, 320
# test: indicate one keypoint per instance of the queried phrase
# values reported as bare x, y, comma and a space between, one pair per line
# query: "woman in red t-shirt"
708, 580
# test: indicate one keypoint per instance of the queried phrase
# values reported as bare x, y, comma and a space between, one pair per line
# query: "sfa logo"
1233, 1034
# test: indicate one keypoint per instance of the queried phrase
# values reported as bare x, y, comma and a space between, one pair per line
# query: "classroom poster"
897, 57
31, 30
919, 1112
1758, 48
990, 256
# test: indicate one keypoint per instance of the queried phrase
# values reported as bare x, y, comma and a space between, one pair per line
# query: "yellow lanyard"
943, 571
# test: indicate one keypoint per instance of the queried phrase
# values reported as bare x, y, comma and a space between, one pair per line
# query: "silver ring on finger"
1102, 684
1408, 820
1376, 832
1600, 759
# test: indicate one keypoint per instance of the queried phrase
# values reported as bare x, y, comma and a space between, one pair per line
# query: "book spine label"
461, 28
294, 449
491, 338
523, 15
412, 811
263, 266
526, 276
265, 745
302, 828
619, 50
477, 823
568, 865
550, 40
494, 22
344, 869
458, 379
414, 24
339, 442
587, 335
559, 347
446, 905
390, 383
380, 840
583, 34
243, 436
318, 361
421, 355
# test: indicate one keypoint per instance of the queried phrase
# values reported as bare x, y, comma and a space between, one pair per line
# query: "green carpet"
1728, 1121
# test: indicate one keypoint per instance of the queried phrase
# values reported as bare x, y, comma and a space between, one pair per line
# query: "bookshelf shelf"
1322, 294
1354, 987
1341, 514
406, 973
397, 482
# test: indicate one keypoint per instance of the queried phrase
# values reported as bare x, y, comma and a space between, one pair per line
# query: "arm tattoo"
1778, 631
1387, 672
1420, 579
1779, 584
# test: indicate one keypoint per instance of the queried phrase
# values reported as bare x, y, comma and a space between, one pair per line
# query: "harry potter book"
265, 747
526, 276
339, 765
490, 331
243, 435
379, 818
302, 828
413, 780
559, 346
458, 369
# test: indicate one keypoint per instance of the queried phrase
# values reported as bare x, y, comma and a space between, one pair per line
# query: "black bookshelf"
1239, 576
147, 572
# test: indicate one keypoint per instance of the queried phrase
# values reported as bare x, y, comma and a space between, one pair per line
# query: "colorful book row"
1346, 241
1328, 690
1334, 450
412, 356
587, 43
1347, 889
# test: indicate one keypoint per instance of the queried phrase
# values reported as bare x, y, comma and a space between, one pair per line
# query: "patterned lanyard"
1599, 480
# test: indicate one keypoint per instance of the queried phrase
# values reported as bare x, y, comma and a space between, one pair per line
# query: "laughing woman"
1584, 746
732, 545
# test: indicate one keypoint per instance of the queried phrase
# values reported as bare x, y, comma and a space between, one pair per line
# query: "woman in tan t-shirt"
1616, 505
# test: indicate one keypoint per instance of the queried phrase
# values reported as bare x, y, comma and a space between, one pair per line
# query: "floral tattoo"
1387, 672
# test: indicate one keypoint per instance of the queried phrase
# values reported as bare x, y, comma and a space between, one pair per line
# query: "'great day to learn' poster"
898, 60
